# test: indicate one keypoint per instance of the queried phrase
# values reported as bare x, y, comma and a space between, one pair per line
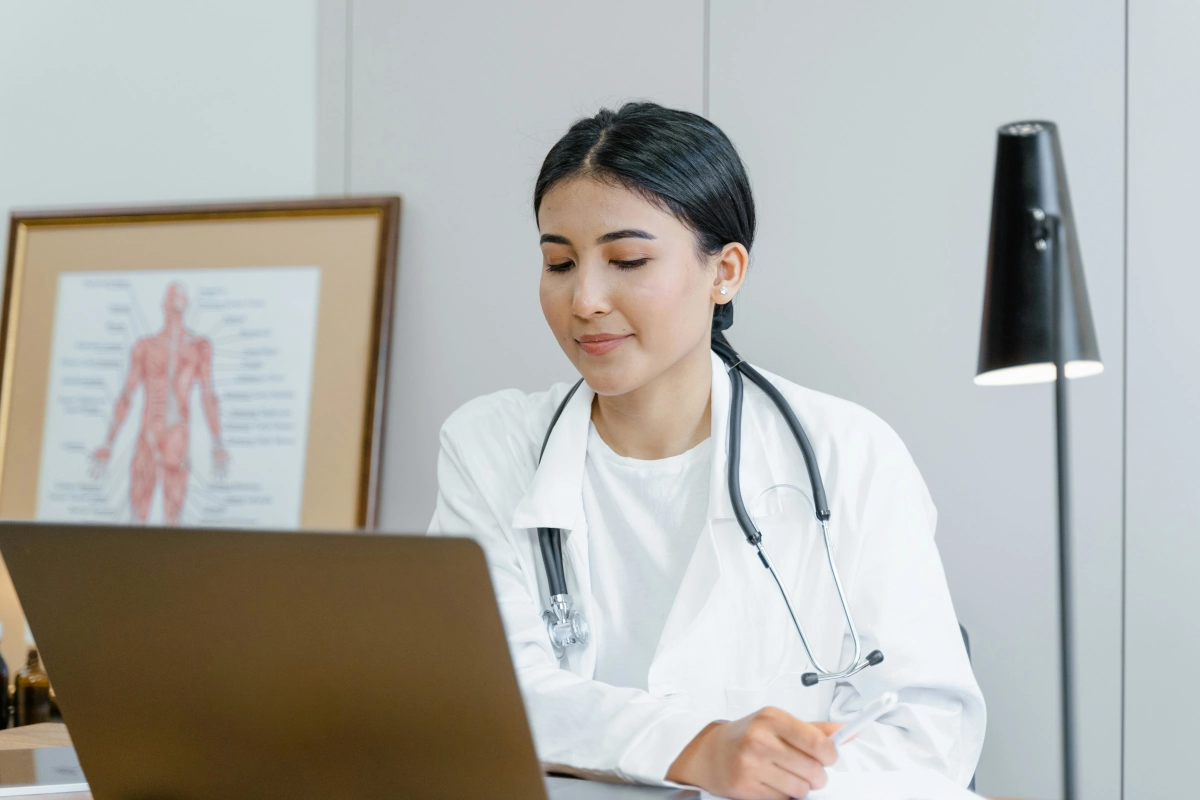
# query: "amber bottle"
33, 692
4, 709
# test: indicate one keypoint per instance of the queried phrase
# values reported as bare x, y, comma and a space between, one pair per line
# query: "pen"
873, 711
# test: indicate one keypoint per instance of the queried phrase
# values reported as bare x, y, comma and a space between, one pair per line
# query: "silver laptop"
218, 664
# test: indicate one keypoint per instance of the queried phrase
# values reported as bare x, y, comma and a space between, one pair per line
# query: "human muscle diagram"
165, 366
179, 397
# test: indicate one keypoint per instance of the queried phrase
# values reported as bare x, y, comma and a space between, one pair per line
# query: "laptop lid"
218, 664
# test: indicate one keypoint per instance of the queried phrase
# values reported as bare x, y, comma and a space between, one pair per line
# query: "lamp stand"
1058, 298
1036, 312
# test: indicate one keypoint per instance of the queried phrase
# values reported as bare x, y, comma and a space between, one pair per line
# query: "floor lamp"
1037, 325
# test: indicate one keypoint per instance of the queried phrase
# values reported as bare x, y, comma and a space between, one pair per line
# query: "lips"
597, 344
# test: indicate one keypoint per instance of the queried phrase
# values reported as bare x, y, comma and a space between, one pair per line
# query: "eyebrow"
612, 236
628, 233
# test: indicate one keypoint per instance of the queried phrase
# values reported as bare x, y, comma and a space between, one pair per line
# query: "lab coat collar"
554, 498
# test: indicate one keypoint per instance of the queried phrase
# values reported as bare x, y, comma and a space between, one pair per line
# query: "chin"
611, 380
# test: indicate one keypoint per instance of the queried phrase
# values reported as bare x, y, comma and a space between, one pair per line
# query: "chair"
967, 644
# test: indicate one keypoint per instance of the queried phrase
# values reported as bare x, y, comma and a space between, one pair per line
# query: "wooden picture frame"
319, 270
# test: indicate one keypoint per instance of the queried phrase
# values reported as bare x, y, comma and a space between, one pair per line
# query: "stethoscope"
567, 625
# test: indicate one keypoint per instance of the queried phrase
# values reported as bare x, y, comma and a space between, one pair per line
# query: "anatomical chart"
179, 397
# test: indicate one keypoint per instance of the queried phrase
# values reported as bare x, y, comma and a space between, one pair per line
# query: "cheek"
669, 306
555, 298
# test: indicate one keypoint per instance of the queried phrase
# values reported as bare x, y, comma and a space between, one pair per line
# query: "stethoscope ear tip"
809, 679
874, 657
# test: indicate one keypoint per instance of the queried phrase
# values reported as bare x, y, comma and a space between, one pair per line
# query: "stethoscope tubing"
550, 539
735, 367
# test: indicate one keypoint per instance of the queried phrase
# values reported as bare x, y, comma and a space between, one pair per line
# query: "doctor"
692, 673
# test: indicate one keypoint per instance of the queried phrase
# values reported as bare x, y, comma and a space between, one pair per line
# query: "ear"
732, 263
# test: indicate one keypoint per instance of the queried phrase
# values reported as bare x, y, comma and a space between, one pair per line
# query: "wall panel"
1163, 412
869, 131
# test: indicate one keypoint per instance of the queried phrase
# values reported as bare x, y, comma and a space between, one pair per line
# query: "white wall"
136, 102
1162, 705
130, 102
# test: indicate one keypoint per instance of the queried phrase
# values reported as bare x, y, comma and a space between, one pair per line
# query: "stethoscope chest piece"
565, 624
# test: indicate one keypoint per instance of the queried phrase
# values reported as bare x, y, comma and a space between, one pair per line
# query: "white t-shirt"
644, 518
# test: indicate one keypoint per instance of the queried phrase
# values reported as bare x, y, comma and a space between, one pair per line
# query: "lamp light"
1037, 325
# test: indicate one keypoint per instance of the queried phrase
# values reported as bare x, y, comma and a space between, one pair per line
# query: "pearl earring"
724, 290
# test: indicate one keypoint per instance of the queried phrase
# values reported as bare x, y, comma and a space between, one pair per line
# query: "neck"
666, 417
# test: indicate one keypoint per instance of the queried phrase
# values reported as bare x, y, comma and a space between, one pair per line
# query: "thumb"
827, 728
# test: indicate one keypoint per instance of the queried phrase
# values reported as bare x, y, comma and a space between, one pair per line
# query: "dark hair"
675, 159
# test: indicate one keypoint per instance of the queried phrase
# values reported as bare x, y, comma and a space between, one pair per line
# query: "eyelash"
566, 265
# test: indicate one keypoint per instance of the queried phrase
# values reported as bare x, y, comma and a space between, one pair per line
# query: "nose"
591, 298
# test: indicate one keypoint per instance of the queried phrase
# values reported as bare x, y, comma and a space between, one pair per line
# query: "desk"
54, 734
45, 734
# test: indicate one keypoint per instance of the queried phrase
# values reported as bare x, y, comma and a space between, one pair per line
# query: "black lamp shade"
1017, 342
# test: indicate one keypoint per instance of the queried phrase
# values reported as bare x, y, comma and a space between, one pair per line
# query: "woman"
692, 672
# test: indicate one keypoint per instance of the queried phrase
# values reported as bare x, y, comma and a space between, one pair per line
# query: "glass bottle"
33, 692
4, 710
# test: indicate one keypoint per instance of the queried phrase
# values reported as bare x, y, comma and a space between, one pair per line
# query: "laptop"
216, 664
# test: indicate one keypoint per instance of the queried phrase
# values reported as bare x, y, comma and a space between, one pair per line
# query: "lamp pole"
1048, 235
1035, 310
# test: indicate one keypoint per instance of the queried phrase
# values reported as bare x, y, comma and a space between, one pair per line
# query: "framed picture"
207, 366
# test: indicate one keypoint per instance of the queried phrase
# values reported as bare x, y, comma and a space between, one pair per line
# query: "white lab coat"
728, 647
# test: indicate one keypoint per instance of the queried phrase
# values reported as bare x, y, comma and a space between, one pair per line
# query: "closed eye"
563, 267
630, 264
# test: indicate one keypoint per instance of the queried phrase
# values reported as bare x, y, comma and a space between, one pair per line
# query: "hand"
769, 755
220, 462
100, 458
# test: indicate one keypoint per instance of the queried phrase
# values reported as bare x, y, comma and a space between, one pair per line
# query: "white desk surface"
54, 734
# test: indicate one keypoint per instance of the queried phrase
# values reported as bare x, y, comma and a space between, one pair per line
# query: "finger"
785, 782
802, 765
804, 737
763, 791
